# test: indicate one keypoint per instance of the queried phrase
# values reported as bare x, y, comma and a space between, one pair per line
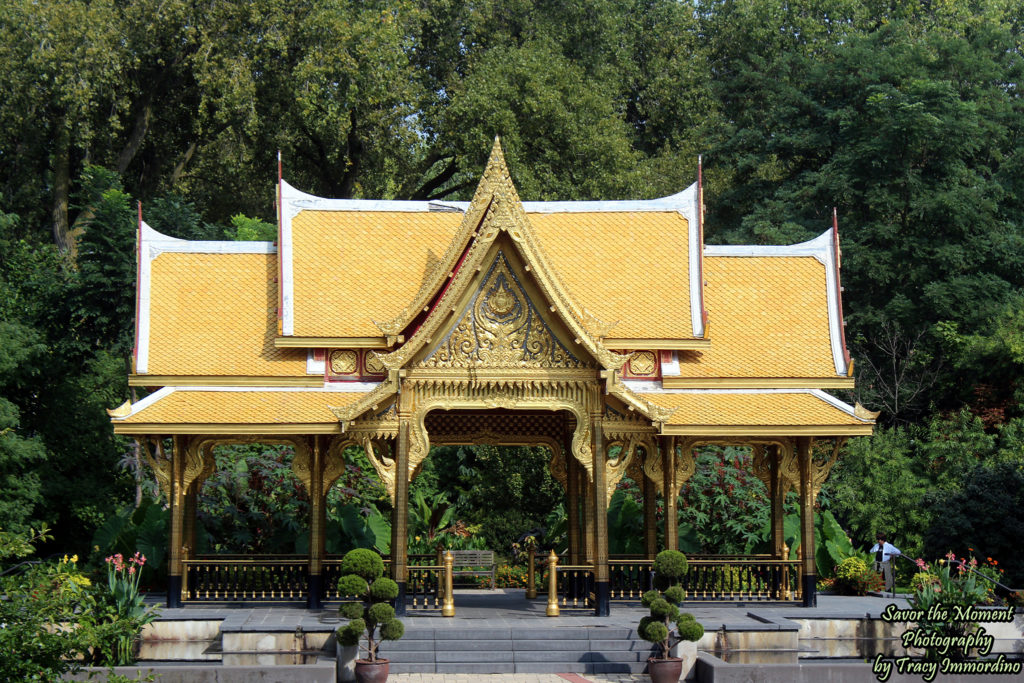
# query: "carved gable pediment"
501, 326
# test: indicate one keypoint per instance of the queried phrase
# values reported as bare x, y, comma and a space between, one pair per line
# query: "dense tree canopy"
906, 116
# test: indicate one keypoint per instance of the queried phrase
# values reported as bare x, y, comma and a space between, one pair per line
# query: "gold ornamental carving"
642, 363
373, 364
686, 466
381, 457
501, 328
159, 461
616, 467
343, 361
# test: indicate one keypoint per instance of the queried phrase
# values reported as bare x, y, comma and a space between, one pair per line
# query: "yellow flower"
74, 559
65, 560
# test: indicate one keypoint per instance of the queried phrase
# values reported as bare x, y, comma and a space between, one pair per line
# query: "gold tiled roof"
768, 318
751, 409
351, 268
624, 267
216, 314
186, 406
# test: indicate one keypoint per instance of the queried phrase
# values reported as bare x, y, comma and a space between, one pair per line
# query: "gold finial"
123, 410
865, 414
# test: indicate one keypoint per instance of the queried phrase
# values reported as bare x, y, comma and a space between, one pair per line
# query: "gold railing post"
786, 592
552, 610
448, 608
531, 579
184, 571
440, 574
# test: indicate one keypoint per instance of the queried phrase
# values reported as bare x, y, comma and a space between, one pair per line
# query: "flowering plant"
121, 609
951, 584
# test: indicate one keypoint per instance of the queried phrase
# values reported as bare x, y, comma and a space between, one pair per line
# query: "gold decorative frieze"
373, 364
643, 363
616, 466
343, 362
501, 328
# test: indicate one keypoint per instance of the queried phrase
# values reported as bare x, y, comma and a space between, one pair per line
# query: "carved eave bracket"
380, 396
686, 466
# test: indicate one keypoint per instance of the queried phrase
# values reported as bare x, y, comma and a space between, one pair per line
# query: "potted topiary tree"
363, 577
669, 568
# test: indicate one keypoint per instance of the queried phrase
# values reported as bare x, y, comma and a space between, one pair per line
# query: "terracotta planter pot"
371, 672
664, 670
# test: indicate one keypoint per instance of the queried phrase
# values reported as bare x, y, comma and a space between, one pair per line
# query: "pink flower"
131, 570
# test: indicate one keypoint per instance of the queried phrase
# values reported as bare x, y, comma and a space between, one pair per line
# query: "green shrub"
669, 566
854, 577
374, 611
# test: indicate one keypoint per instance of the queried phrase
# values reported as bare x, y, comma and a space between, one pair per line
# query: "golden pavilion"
605, 331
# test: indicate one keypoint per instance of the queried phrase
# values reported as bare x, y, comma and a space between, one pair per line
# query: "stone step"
545, 650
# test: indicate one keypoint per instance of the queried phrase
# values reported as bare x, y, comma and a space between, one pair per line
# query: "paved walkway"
517, 678
506, 608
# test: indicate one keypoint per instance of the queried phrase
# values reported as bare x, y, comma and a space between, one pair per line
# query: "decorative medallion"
501, 327
343, 362
373, 364
642, 363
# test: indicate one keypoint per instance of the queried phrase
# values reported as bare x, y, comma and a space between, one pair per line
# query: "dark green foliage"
393, 629
670, 564
985, 518
352, 584
384, 589
374, 610
669, 568
662, 609
379, 613
723, 507
654, 632
350, 633
350, 610
674, 594
364, 563
689, 629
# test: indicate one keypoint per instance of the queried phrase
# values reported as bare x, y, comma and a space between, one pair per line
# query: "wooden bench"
473, 563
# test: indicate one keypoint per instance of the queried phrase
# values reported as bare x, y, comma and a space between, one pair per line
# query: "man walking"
884, 552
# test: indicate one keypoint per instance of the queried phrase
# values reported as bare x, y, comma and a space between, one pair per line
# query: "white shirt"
888, 550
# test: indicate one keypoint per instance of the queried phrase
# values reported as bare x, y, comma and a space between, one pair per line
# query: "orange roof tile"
710, 408
215, 314
768, 318
624, 267
352, 267
190, 406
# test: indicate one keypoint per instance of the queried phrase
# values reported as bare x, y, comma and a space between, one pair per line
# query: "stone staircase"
551, 649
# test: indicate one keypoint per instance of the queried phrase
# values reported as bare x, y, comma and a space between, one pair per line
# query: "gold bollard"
552, 610
531, 579
448, 608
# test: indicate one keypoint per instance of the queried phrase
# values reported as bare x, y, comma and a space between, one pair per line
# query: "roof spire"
496, 180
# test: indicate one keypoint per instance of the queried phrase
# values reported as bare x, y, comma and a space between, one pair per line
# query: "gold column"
177, 505
400, 515
317, 523
572, 503
448, 605
671, 491
810, 578
777, 495
650, 512
587, 507
189, 532
600, 506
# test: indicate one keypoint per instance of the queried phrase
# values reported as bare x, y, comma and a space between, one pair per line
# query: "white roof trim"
313, 366
336, 388
670, 368
645, 387
820, 248
295, 200
690, 198
153, 244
